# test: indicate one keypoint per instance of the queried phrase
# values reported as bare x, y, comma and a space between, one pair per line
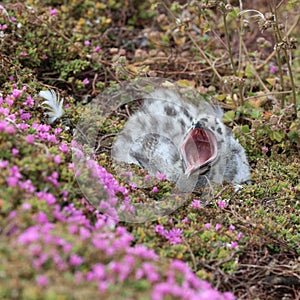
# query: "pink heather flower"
98, 271
9, 101
185, 220
60, 263
23, 54
85, 81
76, 260
35, 249
57, 159
53, 179
63, 147
25, 116
30, 138
27, 186
103, 286
133, 185
273, 69
12, 181
23, 126
12, 214
265, 149
30, 235
98, 48
26, 206
14, 171
196, 204
53, 12
180, 266
14, 151
222, 204
41, 127
87, 43
29, 101
42, 280
160, 229
174, 235
10, 130
234, 245
65, 193
11, 78
4, 111
41, 218
51, 138
143, 252
239, 236
3, 164
73, 229
218, 226
207, 226
84, 233
228, 296
231, 227
39, 261
147, 177
154, 190
16, 93
48, 197
3, 27
3, 125
57, 131
150, 272
161, 176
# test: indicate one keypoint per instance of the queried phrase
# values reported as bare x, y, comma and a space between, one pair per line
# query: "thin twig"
266, 61
196, 45
191, 253
254, 70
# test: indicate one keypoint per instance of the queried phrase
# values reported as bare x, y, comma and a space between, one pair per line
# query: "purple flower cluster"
236, 235
47, 249
173, 235
62, 237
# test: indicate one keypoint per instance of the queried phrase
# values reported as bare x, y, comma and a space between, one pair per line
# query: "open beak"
198, 149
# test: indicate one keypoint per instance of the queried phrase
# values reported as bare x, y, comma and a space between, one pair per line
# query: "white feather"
54, 105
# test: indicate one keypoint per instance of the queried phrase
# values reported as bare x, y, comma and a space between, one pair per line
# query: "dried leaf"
186, 83
271, 81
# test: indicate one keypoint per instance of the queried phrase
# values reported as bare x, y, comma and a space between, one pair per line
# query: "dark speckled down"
162, 137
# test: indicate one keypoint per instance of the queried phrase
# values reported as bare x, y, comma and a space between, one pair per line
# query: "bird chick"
188, 143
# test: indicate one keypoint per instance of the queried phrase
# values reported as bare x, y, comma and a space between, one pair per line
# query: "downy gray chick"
189, 144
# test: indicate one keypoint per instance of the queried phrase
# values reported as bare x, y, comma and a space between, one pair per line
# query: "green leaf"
294, 136
234, 13
249, 71
256, 113
245, 129
277, 136
221, 97
228, 117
